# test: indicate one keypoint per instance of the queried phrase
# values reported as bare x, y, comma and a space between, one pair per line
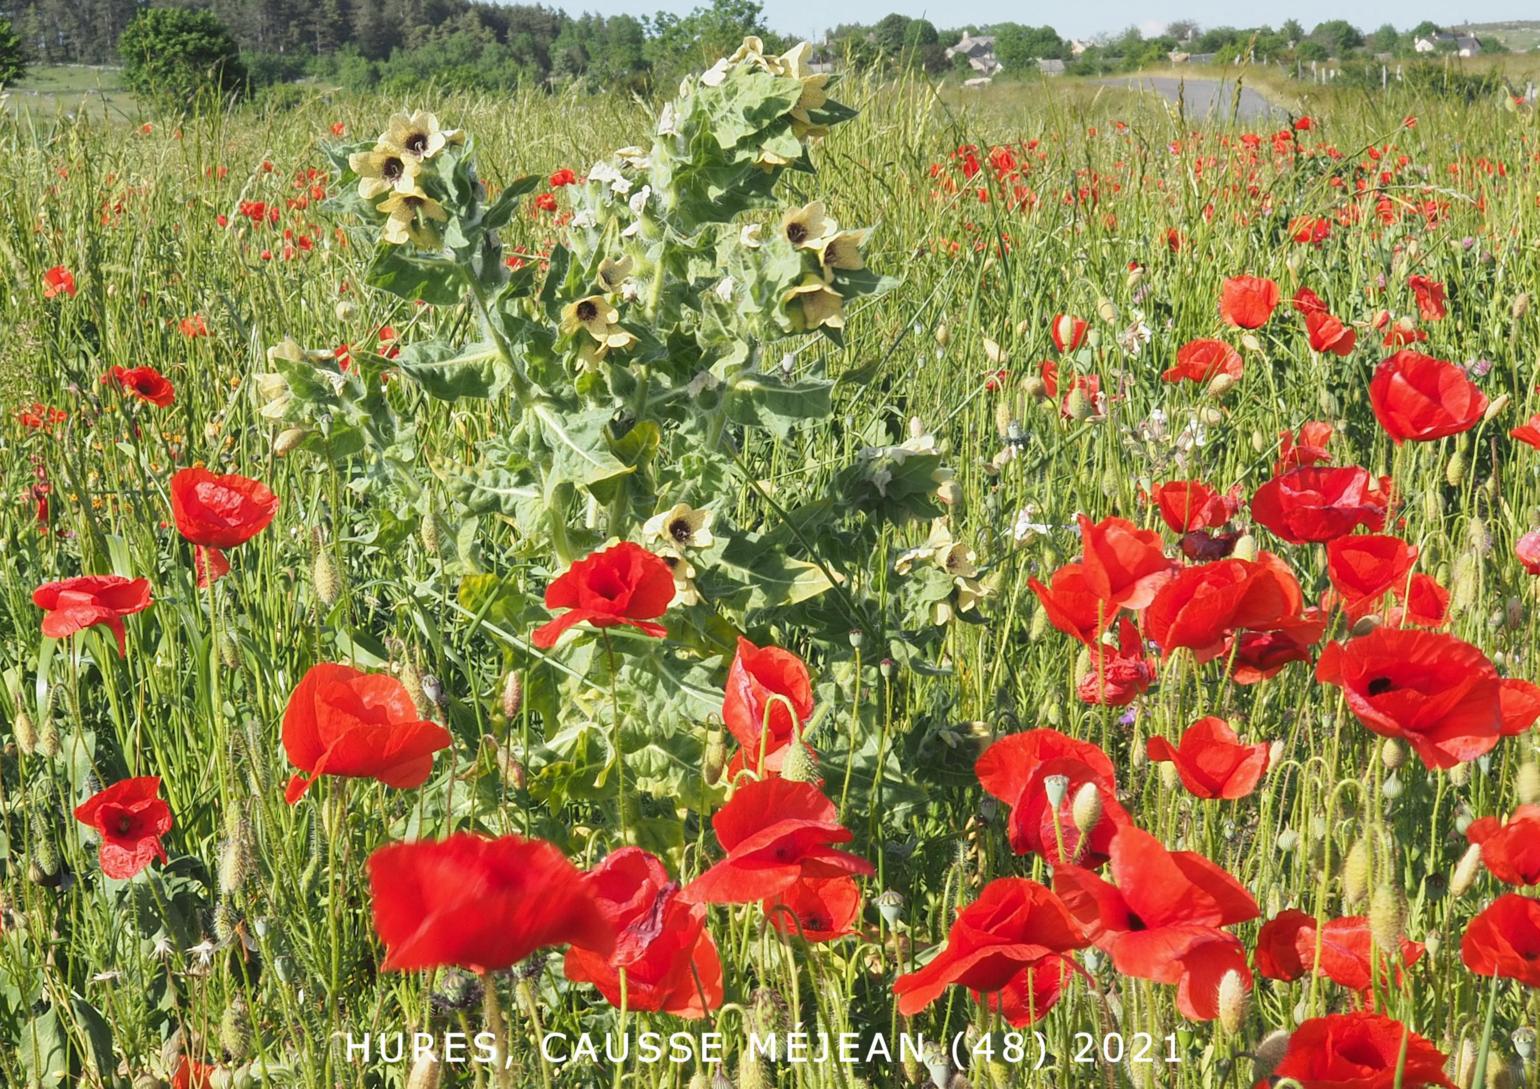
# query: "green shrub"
178, 56
13, 59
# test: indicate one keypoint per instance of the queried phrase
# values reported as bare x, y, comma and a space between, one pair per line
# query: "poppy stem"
1479, 1077
497, 1025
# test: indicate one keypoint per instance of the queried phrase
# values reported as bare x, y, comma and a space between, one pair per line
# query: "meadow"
1083, 621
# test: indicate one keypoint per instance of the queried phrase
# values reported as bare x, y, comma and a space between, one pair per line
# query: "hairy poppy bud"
1105, 310
235, 857
323, 576
798, 766
1392, 753
1086, 809
1355, 872
428, 530
235, 1030
411, 680
1245, 547
1077, 406
993, 352
1466, 872
1034, 387
715, 760
1459, 775
1268, 1054
1386, 920
1496, 406
1234, 1000
48, 737
288, 439
513, 694
426, 1072
26, 732
943, 335
345, 310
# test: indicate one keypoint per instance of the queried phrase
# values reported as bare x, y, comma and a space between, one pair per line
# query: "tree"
13, 60
1424, 29
1182, 30
1337, 36
1019, 47
178, 56
1384, 40
1292, 31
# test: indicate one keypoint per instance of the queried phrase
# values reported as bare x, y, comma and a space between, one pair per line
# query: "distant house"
1050, 67
1463, 45
979, 51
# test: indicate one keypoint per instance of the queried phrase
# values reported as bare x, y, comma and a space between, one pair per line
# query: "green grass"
52, 89
201, 694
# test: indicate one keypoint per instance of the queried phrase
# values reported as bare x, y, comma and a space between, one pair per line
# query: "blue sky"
810, 18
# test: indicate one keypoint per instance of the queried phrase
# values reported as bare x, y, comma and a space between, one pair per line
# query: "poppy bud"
1513, 614
1268, 1054
1105, 310
235, 857
225, 922
235, 1030
513, 694
798, 766
1234, 1000
1023, 327
943, 335
1250, 342
1392, 787
1432, 942
1386, 920
44, 867
959, 1081
1355, 872
1466, 872
288, 439
1039, 625
1170, 778
1459, 775
428, 530
715, 757
1527, 783
26, 732
1392, 753
411, 680
345, 310
1480, 538
48, 737
1287, 840
426, 1072
1209, 416
1524, 1042
751, 1073
1245, 547
1465, 1065
1086, 810
1034, 387
323, 576
1327, 402
1077, 406
1520, 305
1496, 406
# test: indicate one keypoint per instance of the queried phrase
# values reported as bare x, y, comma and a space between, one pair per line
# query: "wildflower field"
803, 582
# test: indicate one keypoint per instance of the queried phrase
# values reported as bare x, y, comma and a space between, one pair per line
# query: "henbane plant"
679, 315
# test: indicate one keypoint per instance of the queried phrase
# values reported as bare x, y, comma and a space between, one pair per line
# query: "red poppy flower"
564, 176
1068, 332
1117, 674
1439, 694
1365, 567
1287, 948
358, 726
662, 944
1528, 551
816, 909
546, 202
1317, 503
193, 326
1162, 921
1205, 604
1122, 564
775, 833
1203, 361
72, 605
1307, 302
480, 904
220, 511
1247, 301
623, 584
1424, 604
130, 818
58, 281
191, 1074
1211, 760
1528, 432
1328, 334
1037, 773
1504, 940
1361, 1051
1308, 449
1430, 297
1417, 397
1520, 701
1307, 230
145, 383
1072, 606
1016, 929
1187, 505
767, 697
1510, 849
1255, 656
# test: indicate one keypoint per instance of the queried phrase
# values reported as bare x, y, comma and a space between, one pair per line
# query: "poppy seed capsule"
1086, 810
1234, 1001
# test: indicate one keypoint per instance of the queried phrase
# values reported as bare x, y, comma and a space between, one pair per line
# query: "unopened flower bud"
1355, 872
1268, 1054
798, 766
943, 335
513, 694
1392, 753
1234, 1000
1086, 809
1386, 921
1466, 872
1527, 783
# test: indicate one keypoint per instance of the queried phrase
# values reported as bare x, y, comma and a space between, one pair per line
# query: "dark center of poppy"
1380, 685
679, 530
587, 311
1136, 924
125, 824
796, 232
815, 922
417, 143
392, 169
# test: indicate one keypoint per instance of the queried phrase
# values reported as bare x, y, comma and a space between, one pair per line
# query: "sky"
810, 18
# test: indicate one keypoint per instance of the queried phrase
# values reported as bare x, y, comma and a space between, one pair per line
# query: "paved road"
1206, 99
